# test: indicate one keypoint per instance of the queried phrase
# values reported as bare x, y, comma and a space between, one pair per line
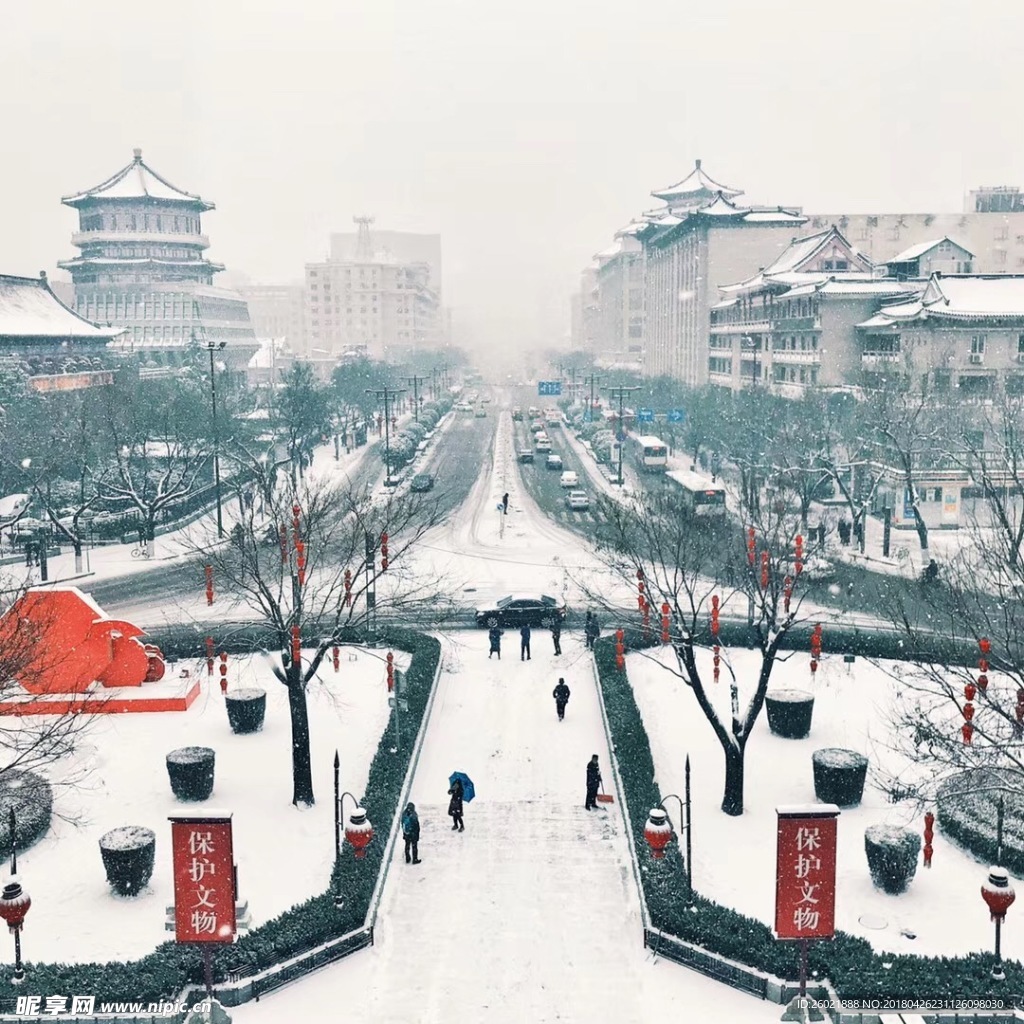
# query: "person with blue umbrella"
462, 789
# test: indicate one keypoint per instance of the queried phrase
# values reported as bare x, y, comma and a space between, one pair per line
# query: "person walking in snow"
411, 833
556, 635
593, 784
561, 695
504, 502
591, 630
455, 806
524, 643
494, 635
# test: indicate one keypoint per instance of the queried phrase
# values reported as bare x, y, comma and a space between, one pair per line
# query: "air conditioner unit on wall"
1020, 357
976, 357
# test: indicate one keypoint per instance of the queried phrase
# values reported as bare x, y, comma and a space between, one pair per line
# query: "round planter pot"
128, 854
191, 772
839, 776
246, 709
789, 713
892, 856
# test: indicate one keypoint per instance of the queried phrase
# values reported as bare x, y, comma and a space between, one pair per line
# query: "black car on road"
520, 610
422, 482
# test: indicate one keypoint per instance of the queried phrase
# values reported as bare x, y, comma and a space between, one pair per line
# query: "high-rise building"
278, 311
143, 266
398, 246
371, 302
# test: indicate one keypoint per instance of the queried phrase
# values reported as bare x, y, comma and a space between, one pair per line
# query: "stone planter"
246, 709
789, 713
128, 854
892, 856
839, 776
191, 772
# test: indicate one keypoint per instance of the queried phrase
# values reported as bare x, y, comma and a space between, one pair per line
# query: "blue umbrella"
468, 789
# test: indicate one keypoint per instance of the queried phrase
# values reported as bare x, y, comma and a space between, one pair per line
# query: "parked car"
569, 479
542, 444
525, 456
481, 413
533, 412
554, 462
521, 609
536, 427
422, 482
577, 501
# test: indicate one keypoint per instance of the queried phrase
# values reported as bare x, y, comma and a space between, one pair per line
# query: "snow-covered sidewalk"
532, 913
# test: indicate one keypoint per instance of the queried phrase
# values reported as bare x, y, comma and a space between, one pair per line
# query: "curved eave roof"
137, 180
136, 261
29, 310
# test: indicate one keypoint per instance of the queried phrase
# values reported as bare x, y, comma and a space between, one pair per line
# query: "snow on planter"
128, 853
191, 772
789, 713
839, 776
246, 709
892, 853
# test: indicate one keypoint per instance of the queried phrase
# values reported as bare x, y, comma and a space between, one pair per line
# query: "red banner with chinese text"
805, 874
204, 879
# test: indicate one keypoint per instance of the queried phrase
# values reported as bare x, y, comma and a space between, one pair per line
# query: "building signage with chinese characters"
805, 872
204, 879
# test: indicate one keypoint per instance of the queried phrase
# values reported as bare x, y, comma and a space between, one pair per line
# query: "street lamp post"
211, 347
14, 905
998, 894
658, 831
620, 391
388, 395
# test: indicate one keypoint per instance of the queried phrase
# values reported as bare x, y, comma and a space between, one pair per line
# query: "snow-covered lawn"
734, 858
284, 855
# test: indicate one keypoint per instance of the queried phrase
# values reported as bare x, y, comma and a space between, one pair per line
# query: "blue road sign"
549, 388
676, 415
645, 415
620, 436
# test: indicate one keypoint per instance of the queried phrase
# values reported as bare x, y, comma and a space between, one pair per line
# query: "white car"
542, 444
569, 479
577, 501
554, 462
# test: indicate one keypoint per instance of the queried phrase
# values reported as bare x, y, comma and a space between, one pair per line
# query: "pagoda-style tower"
142, 266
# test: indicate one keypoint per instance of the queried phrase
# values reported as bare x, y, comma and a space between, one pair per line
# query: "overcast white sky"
525, 133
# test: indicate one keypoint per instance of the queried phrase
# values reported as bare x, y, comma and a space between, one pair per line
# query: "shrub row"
854, 968
169, 968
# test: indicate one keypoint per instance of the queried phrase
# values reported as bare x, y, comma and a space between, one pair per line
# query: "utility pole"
211, 347
592, 381
415, 382
620, 391
388, 395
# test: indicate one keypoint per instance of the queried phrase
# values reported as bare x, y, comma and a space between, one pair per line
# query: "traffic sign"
676, 415
645, 415
549, 388
620, 436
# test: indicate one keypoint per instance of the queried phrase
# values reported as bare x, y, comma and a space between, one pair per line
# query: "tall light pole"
388, 395
415, 382
592, 381
620, 391
211, 347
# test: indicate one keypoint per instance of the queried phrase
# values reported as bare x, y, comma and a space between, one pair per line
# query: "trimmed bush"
966, 813
31, 798
789, 713
892, 856
191, 772
839, 776
128, 854
246, 709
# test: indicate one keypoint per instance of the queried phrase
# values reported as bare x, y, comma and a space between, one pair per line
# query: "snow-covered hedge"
966, 805
854, 969
31, 798
169, 968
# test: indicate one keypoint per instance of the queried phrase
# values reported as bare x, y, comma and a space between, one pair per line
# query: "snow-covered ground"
734, 858
284, 855
532, 913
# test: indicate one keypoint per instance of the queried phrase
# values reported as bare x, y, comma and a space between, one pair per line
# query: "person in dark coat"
524, 643
455, 806
593, 784
494, 635
556, 635
504, 502
591, 630
561, 695
411, 833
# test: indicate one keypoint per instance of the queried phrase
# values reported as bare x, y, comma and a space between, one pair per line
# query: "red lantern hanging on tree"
383, 552
983, 663
296, 645
751, 546
764, 570
391, 671
640, 589
348, 588
798, 560
336, 657
209, 584
815, 648
620, 648
296, 529
665, 622
223, 671
717, 660
714, 615
929, 822
209, 655
300, 557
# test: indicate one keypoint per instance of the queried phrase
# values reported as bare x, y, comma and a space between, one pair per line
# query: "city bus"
698, 495
650, 454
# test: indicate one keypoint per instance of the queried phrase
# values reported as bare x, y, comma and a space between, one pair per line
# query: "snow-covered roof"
960, 297
694, 183
137, 180
265, 356
917, 251
29, 309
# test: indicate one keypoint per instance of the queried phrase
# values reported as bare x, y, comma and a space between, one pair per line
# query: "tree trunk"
732, 799
77, 543
302, 772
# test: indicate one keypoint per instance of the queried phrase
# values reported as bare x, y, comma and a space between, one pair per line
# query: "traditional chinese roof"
696, 183
29, 309
960, 297
137, 180
915, 252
